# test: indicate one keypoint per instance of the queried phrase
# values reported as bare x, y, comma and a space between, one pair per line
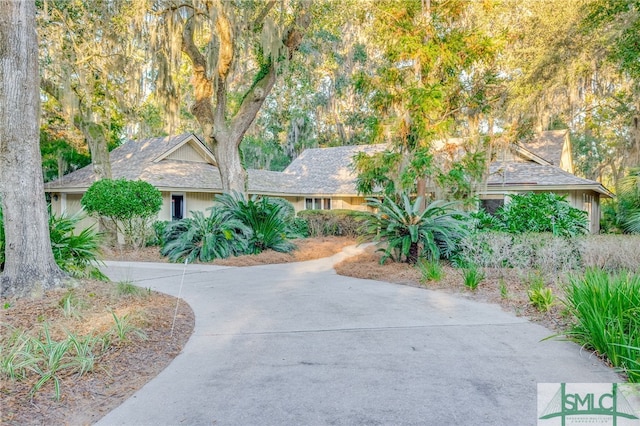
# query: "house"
184, 170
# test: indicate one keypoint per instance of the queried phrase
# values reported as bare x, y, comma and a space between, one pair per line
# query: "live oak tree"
92, 70
235, 52
29, 264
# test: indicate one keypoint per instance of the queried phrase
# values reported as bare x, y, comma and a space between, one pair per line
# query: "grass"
472, 276
542, 298
123, 327
607, 309
504, 290
430, 270
128, 288
70, 304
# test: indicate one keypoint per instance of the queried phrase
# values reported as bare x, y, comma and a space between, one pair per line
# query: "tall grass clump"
430, 270
607, 309
472, 276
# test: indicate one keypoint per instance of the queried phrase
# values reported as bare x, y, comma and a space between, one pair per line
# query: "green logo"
590, 403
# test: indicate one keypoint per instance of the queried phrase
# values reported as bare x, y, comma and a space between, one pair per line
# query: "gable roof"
159, 161
554, 146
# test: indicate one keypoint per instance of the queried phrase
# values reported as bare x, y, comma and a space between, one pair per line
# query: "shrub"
2, 240
332, 222
76, 254
628, 202
300, 227
269, 219
128, 205
610, 252
205, 238
500, 249
542, 212
405, 229
606, 307
156, 237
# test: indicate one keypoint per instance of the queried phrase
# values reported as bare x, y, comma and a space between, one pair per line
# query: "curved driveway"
297, 344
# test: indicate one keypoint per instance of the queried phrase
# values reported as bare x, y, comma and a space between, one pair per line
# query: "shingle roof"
133, 160
319, 171
533, 174
327, 170
547, 145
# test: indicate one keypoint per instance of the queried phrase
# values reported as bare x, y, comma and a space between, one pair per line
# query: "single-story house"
184, 170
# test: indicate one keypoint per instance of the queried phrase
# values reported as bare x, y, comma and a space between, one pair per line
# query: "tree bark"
29, 264
96, 139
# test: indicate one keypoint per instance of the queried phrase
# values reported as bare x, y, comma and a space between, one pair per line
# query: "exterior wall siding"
186, 153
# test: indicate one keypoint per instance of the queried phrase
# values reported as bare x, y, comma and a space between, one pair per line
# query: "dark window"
491, 206
177, 207
317, 203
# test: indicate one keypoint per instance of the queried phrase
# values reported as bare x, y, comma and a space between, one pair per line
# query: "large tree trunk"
96, 139
29, 265
223, 133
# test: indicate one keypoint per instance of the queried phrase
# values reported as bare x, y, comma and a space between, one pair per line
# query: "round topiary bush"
131, 205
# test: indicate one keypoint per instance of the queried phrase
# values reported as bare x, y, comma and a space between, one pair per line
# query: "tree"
29, 264
236, 51
435, 78
93, 77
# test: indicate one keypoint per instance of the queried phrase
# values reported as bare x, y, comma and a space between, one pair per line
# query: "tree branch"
263, 14
203, 86
258, 92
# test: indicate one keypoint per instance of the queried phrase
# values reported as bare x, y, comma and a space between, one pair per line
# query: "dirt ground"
118, 373
126, 367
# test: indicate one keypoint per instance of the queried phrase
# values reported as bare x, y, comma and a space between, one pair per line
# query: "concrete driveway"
297, 344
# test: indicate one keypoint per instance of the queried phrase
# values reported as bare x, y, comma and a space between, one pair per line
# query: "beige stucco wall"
69, 205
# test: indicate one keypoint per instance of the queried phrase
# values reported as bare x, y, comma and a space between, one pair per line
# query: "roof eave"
534, 187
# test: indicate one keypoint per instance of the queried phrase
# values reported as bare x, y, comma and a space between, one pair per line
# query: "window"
492, 205
177, 206
587, 205
317, 203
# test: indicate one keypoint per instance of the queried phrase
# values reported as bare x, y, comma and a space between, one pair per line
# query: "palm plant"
78, 253
406, 231
205, 238
270, 220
